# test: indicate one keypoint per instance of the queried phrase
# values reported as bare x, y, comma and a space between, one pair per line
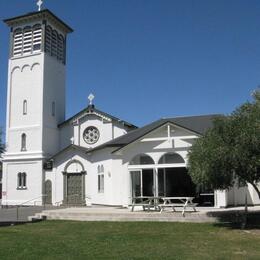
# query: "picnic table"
147, 202
173, 202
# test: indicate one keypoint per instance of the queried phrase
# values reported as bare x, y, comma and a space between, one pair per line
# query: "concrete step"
133, 216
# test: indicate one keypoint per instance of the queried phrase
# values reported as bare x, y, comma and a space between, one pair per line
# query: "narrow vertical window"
101, 179
23, 142
53, 108
24, 180
21, 180
25, 107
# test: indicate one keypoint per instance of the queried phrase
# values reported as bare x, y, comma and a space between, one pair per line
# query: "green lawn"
132, 240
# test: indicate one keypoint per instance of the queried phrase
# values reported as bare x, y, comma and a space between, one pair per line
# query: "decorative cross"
90, 98
39, 3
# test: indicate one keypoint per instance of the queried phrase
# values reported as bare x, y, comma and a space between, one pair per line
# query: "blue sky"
147, 59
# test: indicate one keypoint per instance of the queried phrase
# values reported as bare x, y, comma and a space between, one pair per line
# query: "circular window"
91, 135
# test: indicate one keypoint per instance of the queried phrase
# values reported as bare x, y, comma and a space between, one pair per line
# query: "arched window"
25, 107
23, 142
141, 159
169, 158
21, 180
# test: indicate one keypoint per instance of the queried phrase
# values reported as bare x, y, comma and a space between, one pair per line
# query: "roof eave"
98, 111
12, 21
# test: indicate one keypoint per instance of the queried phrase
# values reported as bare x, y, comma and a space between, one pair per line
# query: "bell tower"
35, 96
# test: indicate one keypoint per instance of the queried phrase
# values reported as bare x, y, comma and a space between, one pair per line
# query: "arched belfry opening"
74, 184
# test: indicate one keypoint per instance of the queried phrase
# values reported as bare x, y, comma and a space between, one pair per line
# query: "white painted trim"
169, 138
152, 166
23, 127
23, 153
92, 113
122, 149
25, 56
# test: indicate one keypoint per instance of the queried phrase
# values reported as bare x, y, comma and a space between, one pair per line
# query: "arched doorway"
74, 184
48, 192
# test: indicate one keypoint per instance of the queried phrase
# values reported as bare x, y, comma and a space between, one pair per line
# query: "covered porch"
166, 178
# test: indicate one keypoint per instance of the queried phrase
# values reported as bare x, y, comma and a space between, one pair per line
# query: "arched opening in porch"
141, 169
173, 177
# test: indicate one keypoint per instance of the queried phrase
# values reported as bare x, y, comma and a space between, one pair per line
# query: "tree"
2, 147
229, 152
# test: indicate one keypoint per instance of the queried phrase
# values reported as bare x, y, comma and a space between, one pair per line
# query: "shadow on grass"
237, 219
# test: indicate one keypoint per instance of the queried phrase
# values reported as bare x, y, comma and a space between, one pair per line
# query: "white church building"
92, 157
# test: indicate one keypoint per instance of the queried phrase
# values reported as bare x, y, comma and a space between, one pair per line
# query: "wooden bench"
184, 202
145, 202
144, 205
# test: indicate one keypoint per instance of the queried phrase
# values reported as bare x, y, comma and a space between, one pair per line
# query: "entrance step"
115, 214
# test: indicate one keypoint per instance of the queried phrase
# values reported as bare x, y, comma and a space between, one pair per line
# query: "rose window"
91, 135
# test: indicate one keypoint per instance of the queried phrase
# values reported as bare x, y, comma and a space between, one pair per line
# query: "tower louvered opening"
29, 40
37, 38
54, 44
18, 42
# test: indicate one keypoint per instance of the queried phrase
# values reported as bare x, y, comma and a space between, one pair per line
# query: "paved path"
10, 214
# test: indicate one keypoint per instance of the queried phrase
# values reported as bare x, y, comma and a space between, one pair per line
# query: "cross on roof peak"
39, 3
91, 98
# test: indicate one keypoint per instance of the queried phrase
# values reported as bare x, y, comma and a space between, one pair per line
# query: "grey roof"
42, 13
196, 124
91, 108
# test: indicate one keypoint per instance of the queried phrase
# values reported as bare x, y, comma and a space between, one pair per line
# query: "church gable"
92, 127
167, 136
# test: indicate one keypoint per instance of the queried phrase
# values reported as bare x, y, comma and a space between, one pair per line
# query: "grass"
122, 240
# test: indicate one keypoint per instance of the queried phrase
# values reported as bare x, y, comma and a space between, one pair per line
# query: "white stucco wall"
33, 191
25, 83
53, 91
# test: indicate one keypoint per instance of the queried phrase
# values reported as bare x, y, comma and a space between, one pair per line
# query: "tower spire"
39, 3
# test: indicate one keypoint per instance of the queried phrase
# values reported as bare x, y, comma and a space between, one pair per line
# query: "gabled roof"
92, 110
71, 146
196, 124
